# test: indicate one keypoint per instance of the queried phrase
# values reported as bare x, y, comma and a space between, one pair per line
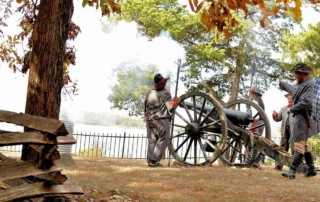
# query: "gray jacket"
284, 117
157, 105
301, 106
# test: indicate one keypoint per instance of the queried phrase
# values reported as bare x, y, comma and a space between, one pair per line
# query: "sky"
98, 52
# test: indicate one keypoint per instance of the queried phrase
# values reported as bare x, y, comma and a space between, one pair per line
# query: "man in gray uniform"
157, 107
301, 121
286, 121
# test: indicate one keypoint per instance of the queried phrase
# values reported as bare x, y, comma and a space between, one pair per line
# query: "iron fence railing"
124, 145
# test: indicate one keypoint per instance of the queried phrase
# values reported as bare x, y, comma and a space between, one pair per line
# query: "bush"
314, 143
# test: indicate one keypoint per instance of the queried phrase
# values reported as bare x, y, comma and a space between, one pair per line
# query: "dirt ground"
105, 179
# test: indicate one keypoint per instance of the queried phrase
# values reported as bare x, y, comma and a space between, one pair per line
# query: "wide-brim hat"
287, 94
256, 91
159, 81
302, 68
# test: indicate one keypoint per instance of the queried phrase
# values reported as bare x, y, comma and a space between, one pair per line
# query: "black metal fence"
119, 145
125, 145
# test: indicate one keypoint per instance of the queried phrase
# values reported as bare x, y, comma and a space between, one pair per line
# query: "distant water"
91, 129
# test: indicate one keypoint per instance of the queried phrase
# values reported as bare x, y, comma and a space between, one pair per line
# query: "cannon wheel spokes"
199, 130
234, 149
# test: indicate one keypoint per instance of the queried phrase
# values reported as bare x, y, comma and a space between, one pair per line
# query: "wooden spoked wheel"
234, 151
198, 131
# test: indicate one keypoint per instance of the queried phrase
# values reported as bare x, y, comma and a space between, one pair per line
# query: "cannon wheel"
234, 148
193, 132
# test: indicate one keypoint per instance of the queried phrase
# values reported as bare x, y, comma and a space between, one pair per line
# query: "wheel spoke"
229, 145
202, 109
194, 109
207, 116
210, 144
181, 117
210, 124
258, 126
235, 149
187, 110
195, 151
203, 149
179, 126
187, 152
184, 141
256, 115
179, 135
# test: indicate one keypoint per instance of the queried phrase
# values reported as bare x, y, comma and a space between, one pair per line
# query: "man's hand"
175, 101
275, 115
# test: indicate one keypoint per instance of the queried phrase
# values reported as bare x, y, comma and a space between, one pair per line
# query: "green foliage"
314, 143
218, 62
302, 47
130, 91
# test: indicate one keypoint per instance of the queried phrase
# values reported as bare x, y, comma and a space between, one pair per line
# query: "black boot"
312, 171
291, 174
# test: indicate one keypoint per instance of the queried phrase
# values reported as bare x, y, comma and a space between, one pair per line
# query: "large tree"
46, 25
221, 66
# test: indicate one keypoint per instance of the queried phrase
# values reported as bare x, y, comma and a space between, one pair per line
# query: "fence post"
124, 142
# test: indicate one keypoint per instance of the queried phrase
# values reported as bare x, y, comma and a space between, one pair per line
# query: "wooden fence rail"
41, 174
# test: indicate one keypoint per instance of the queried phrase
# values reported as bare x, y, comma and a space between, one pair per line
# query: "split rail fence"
40, 176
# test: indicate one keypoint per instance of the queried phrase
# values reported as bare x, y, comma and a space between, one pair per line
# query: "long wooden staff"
173, 112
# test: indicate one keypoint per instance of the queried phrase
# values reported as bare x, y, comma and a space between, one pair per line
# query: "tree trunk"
235, 86
46, 66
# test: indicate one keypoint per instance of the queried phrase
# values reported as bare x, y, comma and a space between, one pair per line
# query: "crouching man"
301, 122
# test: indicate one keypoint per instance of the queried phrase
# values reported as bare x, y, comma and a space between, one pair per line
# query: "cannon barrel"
236, 117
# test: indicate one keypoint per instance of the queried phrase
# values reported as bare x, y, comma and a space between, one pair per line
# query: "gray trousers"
158, 133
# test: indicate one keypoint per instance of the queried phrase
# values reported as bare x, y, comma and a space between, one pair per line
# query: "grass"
105, 179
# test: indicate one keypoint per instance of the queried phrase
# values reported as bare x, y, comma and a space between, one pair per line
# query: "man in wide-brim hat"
157, 107
253, 156
301, 127
256, 90
159, 82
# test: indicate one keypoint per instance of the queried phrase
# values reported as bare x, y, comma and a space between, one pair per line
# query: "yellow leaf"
19, 1
227, 34
195, 2
245, 9
199, 7
269, 23
205, 18
231, 5
263, 8
212, 11
250, 2
276, 9
296, 11
262, 22
191, 6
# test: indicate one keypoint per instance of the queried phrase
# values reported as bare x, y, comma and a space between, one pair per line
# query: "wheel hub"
193, 129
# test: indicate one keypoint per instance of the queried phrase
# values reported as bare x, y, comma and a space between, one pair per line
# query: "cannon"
203, 131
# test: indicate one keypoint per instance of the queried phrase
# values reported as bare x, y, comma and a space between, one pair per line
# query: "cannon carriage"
203, 131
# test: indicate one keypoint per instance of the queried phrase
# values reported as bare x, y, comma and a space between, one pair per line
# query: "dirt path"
131, 180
